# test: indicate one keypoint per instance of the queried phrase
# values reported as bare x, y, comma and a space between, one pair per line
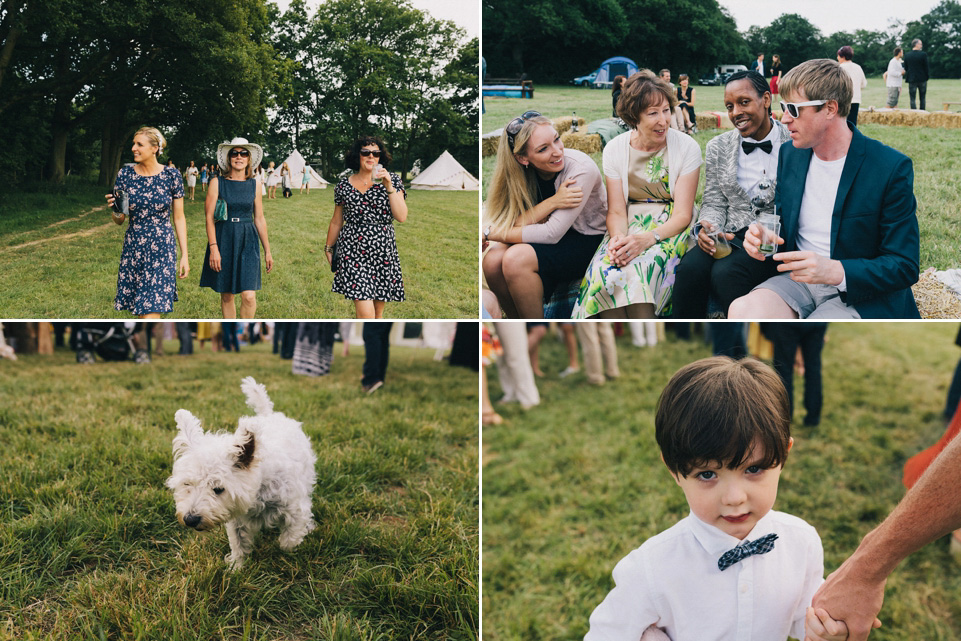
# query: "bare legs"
248, 304
511, 273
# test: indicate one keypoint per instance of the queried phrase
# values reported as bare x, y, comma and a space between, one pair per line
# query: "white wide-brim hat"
256, 152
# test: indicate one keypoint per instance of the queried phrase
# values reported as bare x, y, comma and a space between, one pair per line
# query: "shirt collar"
715, 542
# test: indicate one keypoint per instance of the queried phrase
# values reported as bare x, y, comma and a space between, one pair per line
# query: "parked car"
585, 81
720, 75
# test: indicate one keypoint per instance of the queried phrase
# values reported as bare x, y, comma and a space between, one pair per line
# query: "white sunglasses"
792, 107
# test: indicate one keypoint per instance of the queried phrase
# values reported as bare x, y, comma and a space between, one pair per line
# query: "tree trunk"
112, 143
60, 127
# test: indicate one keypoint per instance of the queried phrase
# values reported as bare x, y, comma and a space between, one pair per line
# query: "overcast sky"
465, 13
830, 16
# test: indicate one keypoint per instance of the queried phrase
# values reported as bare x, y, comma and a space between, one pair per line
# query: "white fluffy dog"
260, 476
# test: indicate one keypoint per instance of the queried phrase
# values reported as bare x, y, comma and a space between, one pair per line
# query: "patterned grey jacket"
725, 202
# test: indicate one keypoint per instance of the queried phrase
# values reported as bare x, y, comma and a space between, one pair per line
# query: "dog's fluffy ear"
188, 431
246, 444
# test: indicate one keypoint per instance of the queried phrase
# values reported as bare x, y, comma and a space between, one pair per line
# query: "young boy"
734, 568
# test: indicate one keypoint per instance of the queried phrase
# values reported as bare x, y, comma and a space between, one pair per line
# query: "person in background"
776, 72
192, 173
376, 355
686, 95
893, 78
616, 92
788, 338
858, 80
916, 72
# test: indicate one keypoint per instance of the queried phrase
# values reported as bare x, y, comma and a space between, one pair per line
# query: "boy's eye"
755, 469
706, 475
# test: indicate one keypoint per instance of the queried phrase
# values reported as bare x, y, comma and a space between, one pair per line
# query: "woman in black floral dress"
147, 278
366, 204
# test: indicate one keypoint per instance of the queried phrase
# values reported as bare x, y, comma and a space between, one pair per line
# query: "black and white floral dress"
369, 264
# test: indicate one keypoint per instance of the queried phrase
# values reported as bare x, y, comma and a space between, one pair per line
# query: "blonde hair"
820, 79
513, 187
154, 136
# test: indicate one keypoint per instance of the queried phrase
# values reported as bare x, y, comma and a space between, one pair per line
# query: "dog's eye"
218, 490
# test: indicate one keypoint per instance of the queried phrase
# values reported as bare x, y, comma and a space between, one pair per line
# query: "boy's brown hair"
716, 410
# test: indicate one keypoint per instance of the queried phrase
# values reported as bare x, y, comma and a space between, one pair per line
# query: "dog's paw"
234, 563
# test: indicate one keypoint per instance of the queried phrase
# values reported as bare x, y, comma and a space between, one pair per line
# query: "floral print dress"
147, 279
649, 278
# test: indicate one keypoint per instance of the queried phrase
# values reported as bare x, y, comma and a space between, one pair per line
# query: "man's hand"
752, 240
850, 595
808, 267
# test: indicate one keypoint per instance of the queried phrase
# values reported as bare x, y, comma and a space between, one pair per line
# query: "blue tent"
616, 66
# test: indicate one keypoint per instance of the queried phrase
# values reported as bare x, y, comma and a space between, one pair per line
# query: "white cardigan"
683, 157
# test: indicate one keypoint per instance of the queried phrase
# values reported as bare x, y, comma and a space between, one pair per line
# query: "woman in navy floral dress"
147, 279
366, 204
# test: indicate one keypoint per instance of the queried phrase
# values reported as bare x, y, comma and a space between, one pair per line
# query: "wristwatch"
657, 236
487, 232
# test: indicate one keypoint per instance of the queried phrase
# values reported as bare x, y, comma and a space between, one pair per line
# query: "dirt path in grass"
78, 234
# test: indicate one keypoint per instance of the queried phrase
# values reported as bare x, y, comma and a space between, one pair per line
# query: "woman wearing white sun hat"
232, 262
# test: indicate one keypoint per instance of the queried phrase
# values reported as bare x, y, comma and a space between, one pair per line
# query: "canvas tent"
616, 66
296, 163
445, 173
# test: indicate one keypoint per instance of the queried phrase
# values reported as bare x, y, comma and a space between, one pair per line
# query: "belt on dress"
239, 220
648, 200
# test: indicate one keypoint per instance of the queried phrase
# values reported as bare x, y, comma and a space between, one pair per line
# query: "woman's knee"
520, 261
248, 297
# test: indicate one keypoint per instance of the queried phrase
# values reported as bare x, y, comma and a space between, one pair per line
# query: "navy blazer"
874, 228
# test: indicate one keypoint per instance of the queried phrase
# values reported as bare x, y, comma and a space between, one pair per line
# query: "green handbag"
220, 209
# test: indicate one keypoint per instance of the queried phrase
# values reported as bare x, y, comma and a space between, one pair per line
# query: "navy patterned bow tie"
767, 146
762, 545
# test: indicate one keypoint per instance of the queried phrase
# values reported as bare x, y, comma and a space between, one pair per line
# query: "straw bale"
588, 143
934, 298
910, 118
489, 145
712, 120
563, 123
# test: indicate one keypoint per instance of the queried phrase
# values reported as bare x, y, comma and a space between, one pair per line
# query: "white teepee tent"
445, 173
296, 163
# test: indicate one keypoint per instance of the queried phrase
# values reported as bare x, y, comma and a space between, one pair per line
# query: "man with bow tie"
740, 166
849, 235
734, 568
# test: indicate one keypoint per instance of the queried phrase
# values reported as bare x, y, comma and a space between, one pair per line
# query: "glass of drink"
770, 226
722, 246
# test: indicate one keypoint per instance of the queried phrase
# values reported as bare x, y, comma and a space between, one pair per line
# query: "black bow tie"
762, 545
767, 146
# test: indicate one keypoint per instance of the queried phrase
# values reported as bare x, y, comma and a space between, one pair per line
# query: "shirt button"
744, 588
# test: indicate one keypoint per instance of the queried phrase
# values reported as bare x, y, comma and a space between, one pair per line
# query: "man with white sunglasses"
849, 235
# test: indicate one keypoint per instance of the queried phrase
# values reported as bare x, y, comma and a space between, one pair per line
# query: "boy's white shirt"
672, 581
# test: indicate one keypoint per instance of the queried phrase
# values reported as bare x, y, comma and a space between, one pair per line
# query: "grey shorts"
894, 94
809, 301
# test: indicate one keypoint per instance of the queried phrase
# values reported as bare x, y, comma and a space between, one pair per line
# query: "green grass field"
933, 151
90, 547
59, 251
574, 484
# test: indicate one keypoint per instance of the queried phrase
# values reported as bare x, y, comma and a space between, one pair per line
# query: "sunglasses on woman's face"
369, 152
794, 107
514, 126
243, 153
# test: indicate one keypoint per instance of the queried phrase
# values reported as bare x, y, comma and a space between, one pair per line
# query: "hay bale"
588, 143
713, 120
489, 144
934, 298
910, 118
563, 123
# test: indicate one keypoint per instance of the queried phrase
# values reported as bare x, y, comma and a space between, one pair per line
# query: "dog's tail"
257, 398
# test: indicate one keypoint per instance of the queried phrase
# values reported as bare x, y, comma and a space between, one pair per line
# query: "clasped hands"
623, 248
804, 266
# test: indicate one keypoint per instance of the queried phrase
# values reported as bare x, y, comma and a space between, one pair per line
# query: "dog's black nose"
192, 520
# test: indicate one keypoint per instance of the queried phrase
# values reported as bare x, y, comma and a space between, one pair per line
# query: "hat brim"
256, 154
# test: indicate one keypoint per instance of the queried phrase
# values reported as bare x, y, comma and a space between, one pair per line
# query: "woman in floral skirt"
651, 173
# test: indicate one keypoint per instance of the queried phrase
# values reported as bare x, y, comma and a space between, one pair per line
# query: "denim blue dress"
147, 278
237, 240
